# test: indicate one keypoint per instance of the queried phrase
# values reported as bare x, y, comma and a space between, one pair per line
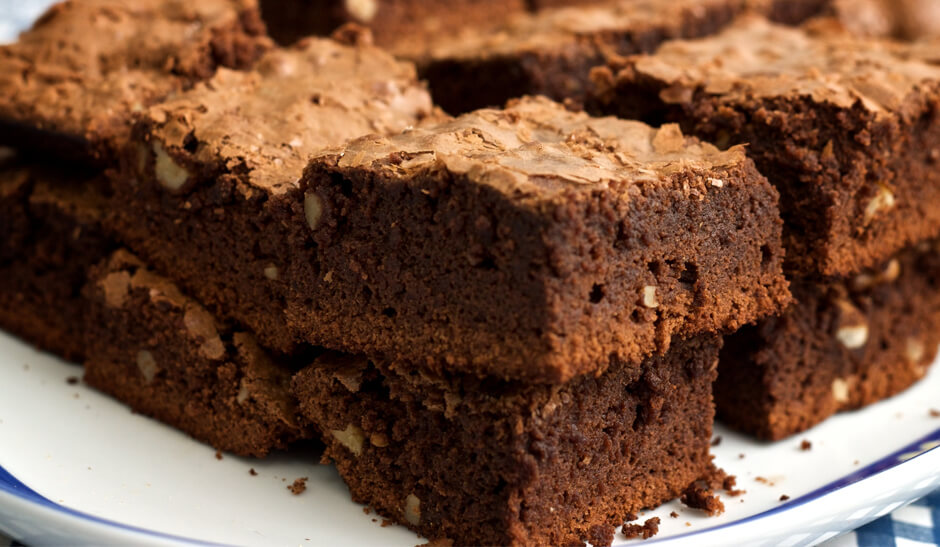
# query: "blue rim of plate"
928, 443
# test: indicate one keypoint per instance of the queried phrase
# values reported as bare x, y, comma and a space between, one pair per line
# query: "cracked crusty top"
551, 29
536, 145
756, 58
87, 64
267, 122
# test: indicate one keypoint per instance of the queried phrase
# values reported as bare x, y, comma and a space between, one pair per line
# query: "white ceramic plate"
76, 466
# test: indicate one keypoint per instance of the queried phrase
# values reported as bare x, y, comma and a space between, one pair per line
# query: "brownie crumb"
72, 380
252, 472
716, 441
386, 523
218, 454
366, 510
630, 517
687, 523
762, 480
698, 496
805, 445
674, 515
934, 413
784, 497
601, 535
740, 456
718, 479
298, 486
646, 530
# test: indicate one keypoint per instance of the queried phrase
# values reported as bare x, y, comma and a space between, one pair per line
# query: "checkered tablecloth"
917, 525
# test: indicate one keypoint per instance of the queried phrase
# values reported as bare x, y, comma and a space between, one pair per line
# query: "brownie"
490, 462
50, 234
164, 355
843, 345
209, 192
561, 240
552, 52
390, 21
845, 129
71, 83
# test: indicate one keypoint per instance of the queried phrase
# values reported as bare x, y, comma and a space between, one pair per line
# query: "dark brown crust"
392, 20
50, 233
831, 161
82, 54
790, 373
163, 355
548, 466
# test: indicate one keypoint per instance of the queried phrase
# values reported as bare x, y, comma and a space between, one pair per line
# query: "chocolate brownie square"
844, 344
489, 462
209, 191
552, 52
529, 243
845, 128
71, 83
164, 355
50, 233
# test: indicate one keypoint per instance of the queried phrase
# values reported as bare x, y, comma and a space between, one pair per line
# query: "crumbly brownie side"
845, 128
552, 52
209, 190
485, 462
390, 21
51, 234
82, 54
534, 242
164, 355
844, 345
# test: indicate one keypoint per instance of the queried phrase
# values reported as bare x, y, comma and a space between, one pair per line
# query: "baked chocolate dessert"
843, 345
559, 240
489, 462
50, 234
71, 83
845, 128
164, 355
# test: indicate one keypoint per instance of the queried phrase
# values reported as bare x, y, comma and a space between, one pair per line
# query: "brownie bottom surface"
482, 462
842, 346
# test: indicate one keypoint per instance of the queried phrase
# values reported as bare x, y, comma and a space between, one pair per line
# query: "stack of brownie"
505, 326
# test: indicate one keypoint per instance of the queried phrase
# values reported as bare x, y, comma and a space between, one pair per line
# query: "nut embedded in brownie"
843, 127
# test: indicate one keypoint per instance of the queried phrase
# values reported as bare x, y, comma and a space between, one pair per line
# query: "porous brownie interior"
493, 463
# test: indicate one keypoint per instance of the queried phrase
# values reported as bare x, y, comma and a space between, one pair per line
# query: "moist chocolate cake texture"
844, 344
550, 465
562, 239
165, 356
50, 232
844, 128
72, 82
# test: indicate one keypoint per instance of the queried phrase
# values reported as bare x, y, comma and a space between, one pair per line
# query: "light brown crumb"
762, 480
674, 515
688, 523
784, 497
252, 472
386, 523
741, 456
805, 445
934, 413
72, 380
855, 462
367, 510
218, 455
646, 530
298, 487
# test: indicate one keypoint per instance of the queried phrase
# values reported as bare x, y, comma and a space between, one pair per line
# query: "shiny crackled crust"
846, 129
126, 54
163, 354
535, 243
843, 345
